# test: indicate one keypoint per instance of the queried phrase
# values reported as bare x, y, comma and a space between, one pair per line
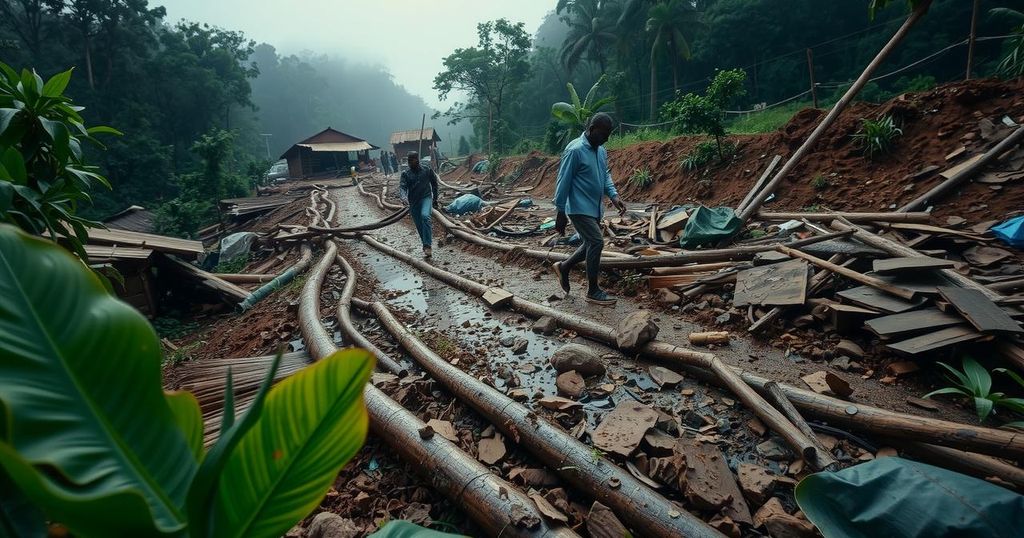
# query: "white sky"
408, 37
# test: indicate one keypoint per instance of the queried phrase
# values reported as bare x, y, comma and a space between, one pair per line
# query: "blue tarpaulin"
467, 203
1011, 232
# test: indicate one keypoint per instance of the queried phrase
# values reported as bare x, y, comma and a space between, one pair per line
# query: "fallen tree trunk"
896, 249
830, 118
768, 414
857, 416
348, 329
497, 506
640, 507
919, 217
780, 400
945, 187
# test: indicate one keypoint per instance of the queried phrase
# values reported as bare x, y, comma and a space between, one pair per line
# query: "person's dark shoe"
601, 298
563, 277
428, 252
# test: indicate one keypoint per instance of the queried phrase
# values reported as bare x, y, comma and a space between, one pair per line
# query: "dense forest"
185, 93
651, 50
194, 101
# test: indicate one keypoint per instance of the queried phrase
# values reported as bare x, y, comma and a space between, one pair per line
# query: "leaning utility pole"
970, 42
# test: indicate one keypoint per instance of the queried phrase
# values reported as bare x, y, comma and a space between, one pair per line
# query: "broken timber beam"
919, 217
783, 404
760, 182
878, 284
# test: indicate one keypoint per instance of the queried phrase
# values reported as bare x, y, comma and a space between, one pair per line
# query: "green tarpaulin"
709, 225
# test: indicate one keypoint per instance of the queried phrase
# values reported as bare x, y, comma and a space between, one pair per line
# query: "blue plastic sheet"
1011, 232
467, 203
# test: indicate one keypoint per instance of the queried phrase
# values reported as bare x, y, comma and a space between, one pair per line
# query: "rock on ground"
578, 357
636, 330
545, 325
328, 525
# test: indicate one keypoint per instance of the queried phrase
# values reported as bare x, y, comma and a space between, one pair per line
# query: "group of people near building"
388, 163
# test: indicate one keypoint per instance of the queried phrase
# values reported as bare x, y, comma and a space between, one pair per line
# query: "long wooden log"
969, 463
348, 329
760, 183
830, 118
945, 187
918, 217
244, 278
777, 397
485, 497
850, 273
647, 512
768, 414
896, 249
856, 416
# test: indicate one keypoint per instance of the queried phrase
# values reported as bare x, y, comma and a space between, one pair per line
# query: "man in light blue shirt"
583, 182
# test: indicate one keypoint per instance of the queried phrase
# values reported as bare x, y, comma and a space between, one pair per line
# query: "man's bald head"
599, 128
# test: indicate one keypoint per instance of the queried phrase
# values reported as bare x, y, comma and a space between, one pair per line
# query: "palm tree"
666, 21
591, 32
1012, 64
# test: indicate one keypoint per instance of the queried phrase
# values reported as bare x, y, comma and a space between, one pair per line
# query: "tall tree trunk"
654, 87
675, 75
88, 61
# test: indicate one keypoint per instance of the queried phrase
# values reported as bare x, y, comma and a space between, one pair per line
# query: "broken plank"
929, 229
497, 297
869, 297
902, 293
936, 340
950, 172
907, 323
907, 264
696, 268
984, 314
673, 221
778, 284
652, 228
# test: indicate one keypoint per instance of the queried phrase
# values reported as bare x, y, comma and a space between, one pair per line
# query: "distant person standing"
583, 182
385, 163
418, 189
394, 162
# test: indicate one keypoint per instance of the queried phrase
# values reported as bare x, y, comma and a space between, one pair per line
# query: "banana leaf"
403, 529
895, 497
88, 434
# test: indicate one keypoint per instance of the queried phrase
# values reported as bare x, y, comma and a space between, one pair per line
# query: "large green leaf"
565, 113
19, 518
312, 423
91, 437
57, 83
978, 376
403, 529
188, 416
898, 497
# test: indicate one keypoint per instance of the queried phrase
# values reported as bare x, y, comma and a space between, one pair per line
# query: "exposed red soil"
934, 124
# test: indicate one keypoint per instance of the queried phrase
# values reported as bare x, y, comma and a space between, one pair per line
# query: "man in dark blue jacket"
583, 182
418, 189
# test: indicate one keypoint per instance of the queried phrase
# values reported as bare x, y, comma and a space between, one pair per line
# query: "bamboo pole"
940, 190
833, 114
244, 278
918, 217
777, 397
850, 273
760, 181
639, 506
857, 416
768, 414
485, 497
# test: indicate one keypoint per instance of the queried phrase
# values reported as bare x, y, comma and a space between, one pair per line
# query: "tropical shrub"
641, 178
876, 137
43, 174
705, 152
88, 436
574, 116
693, 113
975, 382
1012, 63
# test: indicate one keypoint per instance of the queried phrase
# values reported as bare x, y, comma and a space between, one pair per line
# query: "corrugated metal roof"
108, 253
160, 243
133, 219
413, 135
339, 146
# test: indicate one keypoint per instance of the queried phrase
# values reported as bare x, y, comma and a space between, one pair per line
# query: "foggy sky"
408, 37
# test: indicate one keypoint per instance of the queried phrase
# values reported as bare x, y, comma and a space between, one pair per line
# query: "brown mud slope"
934, 124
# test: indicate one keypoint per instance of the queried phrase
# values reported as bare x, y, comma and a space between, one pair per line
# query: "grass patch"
766, 121
877, 137
820, 183
641, 178
706, 153
183, 353
233, 266
635, 137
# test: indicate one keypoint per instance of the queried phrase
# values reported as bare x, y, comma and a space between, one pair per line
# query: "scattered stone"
507, 340
667, 297
602, 523
694, 420
622, 430
519, 394
922, 403
665, 377
426, 432
602, 390
849, 348
803, 321
686, 392
708, 483
545, 325
841, 363
757, 427
636, 330
824, 382
570, 384
773, 517
756, 482
726, 526
520, 345
901, 368
329, 525
578, 357
557, 403
659, 443
773, 450
497, 297
723, 319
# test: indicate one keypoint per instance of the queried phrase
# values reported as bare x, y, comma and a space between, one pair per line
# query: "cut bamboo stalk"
917, 217
903, 293
896, 249
244, 278
856, 416
768, 414
640, 507
782, 403
760, 183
